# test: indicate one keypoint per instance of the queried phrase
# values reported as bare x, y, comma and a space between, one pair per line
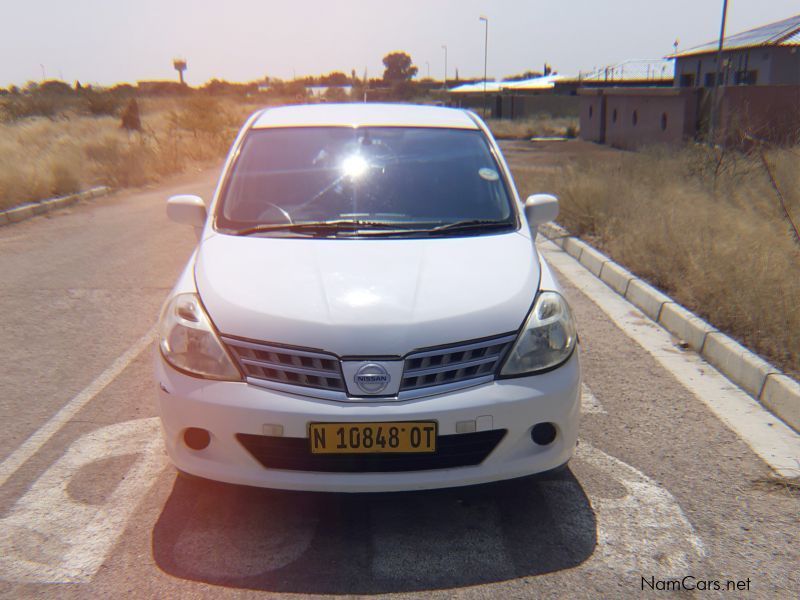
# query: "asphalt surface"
89, 506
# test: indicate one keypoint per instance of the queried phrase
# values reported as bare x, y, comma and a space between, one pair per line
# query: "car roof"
358, 114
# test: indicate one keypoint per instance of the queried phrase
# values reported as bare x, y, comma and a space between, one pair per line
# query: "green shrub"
101, 103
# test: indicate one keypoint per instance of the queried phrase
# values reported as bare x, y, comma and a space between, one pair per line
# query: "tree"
398, 67
55, 87
523, 76
334, 78
335, 94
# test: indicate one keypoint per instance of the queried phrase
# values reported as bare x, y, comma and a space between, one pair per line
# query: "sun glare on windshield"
354, 166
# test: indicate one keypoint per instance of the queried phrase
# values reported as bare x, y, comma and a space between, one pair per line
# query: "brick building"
758, 96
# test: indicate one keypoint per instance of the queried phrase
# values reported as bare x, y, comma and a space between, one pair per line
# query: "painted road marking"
49, 537
39, 438
589, 402
643, 532
766, 435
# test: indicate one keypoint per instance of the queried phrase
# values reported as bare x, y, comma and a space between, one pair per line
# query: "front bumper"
226, 409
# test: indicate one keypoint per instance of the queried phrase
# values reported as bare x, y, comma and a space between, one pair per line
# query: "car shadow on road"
373, 543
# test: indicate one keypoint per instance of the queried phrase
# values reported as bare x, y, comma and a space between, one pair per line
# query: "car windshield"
370, 181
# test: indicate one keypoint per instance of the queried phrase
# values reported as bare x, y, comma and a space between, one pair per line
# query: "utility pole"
712, 127
485, 58
444, 81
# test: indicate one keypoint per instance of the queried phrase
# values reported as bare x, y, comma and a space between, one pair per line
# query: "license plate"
373, 438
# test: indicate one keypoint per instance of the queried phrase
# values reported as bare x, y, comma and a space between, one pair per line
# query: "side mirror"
187, 210
540, 209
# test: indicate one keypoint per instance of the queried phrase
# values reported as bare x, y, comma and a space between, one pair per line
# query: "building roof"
356, 114
477, 88
781, 33
536, 83
545, 82
655, 69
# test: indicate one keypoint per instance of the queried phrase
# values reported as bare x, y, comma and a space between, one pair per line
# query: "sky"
110, 41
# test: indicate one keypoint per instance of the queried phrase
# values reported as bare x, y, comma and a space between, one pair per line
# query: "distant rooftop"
477, 88
781, 33
544, 82
657, 69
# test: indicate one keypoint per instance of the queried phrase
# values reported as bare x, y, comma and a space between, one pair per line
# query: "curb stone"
777, 392
30, 209
780, 396
593, 260
616, 277
685, 325
20, 213
741, 366
646, 298
574, 247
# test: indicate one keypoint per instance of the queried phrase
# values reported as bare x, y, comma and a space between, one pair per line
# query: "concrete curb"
31, 209
685, 325
777, 392
780, 396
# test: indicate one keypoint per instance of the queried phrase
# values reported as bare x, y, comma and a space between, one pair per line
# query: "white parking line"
767, 436
644, 531
39, 438
51, 537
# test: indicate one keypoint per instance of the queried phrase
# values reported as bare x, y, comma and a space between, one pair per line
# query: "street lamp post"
712, 126
444, 81
485, 57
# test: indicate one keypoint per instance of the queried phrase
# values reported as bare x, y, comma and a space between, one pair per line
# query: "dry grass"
537, 126
706, 229
47, 157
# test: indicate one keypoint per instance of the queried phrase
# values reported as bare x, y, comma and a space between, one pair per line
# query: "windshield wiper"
374, 228
328, 227
469, 225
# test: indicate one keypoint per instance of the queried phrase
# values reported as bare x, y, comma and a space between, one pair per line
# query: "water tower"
180, 67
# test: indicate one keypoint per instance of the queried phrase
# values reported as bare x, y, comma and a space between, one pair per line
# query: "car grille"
294, 454
454, 364
287, 365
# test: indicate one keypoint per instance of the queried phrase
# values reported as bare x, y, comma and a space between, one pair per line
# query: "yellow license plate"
372, 438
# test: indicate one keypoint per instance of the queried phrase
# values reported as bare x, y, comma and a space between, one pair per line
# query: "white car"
366, 310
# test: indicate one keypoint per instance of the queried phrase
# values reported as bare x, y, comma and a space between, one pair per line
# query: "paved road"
660, 487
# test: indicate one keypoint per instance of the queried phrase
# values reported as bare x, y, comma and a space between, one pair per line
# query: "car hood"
367, 297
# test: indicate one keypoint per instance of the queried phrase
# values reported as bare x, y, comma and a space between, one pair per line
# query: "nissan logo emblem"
372, 378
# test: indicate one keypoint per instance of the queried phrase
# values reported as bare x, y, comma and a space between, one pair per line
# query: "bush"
43, 157
23, 106
335, 94
101, 103
704, 227
123, 163
542, 125
65, 180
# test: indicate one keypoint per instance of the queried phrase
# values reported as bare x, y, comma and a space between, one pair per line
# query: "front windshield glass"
388, 179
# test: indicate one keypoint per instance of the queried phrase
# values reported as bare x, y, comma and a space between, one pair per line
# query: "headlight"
547, 339
189, 343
